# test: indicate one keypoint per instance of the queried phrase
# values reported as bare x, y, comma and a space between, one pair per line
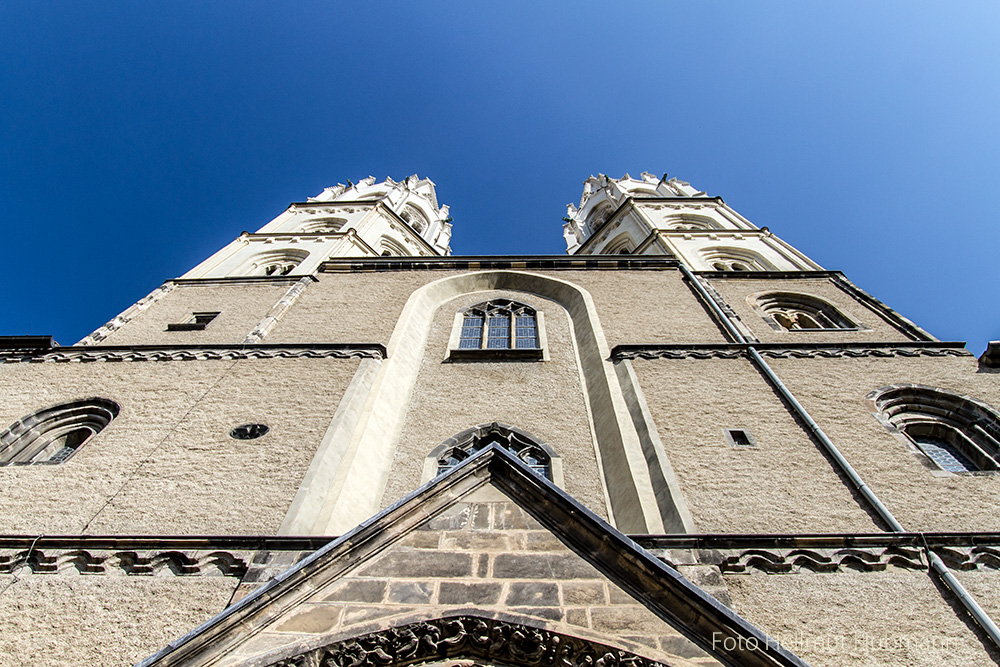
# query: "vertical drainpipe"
954, 585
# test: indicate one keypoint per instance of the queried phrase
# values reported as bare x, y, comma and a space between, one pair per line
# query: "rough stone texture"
350, 307
573, 598
737, 293
166, 464
783, 485
646, 307
886, 618
107, 621
241, 307
542, 398
834, 390
633, 306
984, 586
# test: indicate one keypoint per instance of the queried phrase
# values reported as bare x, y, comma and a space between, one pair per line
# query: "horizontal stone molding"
491, 640
477, 263
91, 353
782, 561
785, 351
124, 562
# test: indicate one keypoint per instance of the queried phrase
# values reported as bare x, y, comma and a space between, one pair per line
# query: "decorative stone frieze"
195, 353
491, 640
124, 562
623, 352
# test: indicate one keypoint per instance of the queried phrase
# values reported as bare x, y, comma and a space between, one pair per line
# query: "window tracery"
470, 442
801, 312
52, 435
956, 433
734, 259
500, 324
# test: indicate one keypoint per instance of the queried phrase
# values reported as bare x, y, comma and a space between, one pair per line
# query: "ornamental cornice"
623, 352
119, 562
492, 640
83, 354
786, 561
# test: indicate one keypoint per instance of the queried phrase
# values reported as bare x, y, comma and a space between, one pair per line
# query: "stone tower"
333, 443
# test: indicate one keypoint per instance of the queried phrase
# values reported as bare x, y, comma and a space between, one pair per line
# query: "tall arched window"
535, 455
54, 434
956, 433
801, 312
499, 324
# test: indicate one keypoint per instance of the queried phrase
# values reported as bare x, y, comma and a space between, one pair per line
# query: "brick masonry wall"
784, 485
488, 558
166, 464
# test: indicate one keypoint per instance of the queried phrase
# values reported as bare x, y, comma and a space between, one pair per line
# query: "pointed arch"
623, 244
537, 455
388, 247
415, 218
642, 492
52, 435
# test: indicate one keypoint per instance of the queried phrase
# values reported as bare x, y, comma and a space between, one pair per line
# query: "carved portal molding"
124, 562
790, 353
489, 640
191, 354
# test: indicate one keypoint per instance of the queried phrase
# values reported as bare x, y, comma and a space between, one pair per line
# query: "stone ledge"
109, 353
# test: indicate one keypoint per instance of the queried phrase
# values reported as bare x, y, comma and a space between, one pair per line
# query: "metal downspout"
935, 562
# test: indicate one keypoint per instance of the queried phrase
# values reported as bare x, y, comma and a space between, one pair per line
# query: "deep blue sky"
138, 137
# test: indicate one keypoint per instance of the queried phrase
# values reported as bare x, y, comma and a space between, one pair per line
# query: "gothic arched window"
956, 433
801, 312
500, 324
518, 443
54, 434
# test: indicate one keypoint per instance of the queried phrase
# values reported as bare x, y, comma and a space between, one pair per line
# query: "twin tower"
644, 216
334, 443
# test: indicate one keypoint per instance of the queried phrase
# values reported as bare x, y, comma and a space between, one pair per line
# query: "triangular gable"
659, 588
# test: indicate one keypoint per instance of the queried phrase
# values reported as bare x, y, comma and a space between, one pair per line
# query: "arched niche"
358, 467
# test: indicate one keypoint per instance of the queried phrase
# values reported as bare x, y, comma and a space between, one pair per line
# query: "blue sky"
137, 138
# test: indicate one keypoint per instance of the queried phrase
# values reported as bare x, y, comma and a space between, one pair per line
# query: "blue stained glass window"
944, 454
507, 325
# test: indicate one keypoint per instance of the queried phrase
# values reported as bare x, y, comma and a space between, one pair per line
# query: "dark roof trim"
479, 262
26, 342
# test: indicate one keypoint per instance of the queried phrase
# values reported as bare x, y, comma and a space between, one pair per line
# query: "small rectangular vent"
197, 322
739, 438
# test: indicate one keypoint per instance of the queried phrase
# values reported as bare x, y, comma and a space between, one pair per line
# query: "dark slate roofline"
658, 586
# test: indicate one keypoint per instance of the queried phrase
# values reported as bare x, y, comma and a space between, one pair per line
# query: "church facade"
334, 443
